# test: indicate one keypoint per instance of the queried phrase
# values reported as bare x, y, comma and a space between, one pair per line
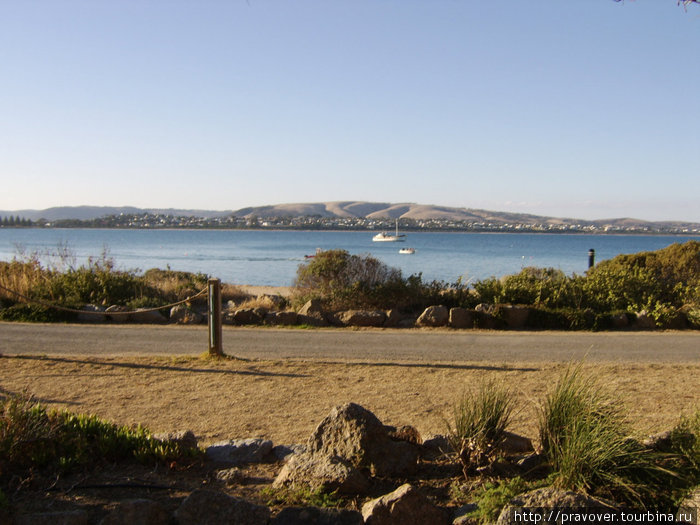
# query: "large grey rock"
184, 438
515, 444
645, 321
92, 313
284, 318
118, 314
230, 476
239, 451
393, 318
406, 506
370, 318
312, 314
147, 316
181, 314
461, 318
205, 507
550, 499
436, 446
283, 452
434, 316
137, 512
514, 316
246, 316
619, 320
321, 472
356, 435
317, 516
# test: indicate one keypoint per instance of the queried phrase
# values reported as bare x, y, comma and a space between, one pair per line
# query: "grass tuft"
586, 439
479, 423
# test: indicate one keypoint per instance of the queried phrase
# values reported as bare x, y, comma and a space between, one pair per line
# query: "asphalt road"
339, 344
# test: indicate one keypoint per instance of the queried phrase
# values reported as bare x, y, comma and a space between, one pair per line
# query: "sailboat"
387, 237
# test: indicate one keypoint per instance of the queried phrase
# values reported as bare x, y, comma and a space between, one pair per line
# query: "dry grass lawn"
284, 400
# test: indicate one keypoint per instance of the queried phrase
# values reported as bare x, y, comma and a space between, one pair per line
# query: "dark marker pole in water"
591, 258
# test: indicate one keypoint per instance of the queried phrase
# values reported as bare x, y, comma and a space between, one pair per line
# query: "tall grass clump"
685, 441
584, 435
478, 426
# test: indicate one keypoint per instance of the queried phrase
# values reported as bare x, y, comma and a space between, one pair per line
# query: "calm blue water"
272, 257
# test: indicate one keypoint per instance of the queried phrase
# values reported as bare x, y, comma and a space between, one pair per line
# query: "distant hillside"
84, 213
351, 209
377, 210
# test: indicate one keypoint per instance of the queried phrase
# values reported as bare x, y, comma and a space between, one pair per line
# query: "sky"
572, 108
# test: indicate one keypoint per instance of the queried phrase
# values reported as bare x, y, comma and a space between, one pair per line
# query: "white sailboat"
387, 237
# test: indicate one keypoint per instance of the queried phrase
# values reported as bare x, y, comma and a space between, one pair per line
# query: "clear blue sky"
577, 108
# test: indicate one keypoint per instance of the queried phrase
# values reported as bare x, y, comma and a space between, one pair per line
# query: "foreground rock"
551, 499
69, 517
234, 452
356, 435
322, 472
346, 446
206, 507
317, 516
137, 512
406, 506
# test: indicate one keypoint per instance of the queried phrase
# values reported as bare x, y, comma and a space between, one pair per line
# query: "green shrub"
98, 282
546, 287
585, 437
479, 424
652, 281
344, 281
33, 438
494, 495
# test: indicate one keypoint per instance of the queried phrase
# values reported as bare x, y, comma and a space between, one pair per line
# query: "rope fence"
39, 302
214, 317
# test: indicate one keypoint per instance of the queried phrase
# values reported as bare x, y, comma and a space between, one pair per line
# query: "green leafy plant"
492, 496
32, 437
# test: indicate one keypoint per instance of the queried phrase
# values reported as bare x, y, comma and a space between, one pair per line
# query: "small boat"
318, 250
387, 237
407, 251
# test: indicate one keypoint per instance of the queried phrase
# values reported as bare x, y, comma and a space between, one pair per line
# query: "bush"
479, 424
653, 281
344, 281
97, 282
585, 438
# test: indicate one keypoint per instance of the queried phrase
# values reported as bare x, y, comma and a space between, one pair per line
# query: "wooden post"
591, 258
214, 318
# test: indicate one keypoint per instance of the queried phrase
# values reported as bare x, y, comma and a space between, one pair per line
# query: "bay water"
271, 258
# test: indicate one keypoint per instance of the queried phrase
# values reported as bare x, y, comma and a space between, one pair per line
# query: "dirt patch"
284, 400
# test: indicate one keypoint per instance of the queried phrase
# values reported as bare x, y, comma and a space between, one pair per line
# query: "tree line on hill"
13, 221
